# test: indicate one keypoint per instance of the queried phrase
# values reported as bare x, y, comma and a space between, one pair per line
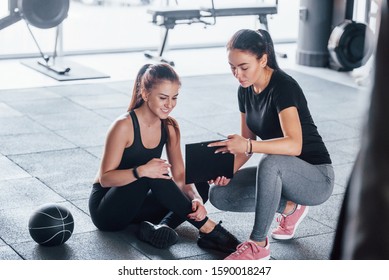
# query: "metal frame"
170, 17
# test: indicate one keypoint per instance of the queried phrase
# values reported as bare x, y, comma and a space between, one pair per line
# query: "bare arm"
119, 136
289, 144
292, 141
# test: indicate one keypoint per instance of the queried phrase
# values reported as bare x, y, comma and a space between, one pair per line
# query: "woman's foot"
160, 236
250, 250
218, 239
289, 223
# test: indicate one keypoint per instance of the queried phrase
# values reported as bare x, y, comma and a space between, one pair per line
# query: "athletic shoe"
289, 223
160, 236
249, 250
218, 239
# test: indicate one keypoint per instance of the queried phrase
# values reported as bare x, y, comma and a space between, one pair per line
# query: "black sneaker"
218, 239
160, 236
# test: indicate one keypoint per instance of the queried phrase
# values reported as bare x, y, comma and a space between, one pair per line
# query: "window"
95, 26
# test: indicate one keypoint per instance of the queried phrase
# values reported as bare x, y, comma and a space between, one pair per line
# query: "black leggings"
154, 200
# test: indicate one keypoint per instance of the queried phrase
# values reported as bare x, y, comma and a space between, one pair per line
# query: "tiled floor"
52, 134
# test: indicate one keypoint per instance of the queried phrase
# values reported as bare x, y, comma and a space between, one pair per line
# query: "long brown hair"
148, 76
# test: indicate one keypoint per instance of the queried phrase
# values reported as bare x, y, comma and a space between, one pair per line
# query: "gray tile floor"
51, 139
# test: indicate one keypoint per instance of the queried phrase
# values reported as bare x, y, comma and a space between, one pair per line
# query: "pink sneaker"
249, 250
289, 223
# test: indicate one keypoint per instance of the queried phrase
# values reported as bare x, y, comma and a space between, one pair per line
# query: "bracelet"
135, 172
196, 199
249, 150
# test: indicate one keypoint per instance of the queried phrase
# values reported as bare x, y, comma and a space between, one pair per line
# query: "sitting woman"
134, 184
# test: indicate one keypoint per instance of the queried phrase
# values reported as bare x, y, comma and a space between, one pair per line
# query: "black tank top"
137, 154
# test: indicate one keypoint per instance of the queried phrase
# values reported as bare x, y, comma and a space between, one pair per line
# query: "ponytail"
271, 55
137, 100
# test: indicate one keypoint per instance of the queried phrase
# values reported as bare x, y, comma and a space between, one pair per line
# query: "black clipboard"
202, 164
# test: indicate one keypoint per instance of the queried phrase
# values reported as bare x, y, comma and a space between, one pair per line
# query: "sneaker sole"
265, 258
161, 238
261, 259
290, 236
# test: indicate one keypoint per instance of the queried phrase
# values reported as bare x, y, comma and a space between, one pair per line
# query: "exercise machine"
170, 17
41, 14
351, 43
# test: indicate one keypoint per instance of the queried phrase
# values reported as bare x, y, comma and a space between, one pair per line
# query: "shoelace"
246, 245
281, 219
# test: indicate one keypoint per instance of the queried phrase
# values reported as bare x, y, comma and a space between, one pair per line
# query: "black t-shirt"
262, 114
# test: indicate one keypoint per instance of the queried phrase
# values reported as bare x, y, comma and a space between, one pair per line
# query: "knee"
270, 163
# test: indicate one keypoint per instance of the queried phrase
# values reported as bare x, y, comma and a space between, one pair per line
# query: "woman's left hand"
234, 144
199, 212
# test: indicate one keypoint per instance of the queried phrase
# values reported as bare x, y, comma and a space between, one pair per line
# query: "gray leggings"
266, 189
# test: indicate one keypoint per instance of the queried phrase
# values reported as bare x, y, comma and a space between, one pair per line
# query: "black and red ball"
51, 225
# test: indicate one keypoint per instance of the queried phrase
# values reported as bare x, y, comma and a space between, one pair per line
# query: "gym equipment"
42, 14
170, 17
39, 13
48, 14
351, 43
51, 225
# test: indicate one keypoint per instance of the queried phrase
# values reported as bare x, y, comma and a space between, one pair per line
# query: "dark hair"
257, 43
148, 76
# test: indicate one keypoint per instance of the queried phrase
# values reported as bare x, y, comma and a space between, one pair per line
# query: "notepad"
202, 164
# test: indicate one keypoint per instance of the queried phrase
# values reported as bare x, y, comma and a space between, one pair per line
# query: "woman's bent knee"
269, 162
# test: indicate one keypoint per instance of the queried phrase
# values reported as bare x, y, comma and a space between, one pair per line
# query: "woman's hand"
199, 212
156, 168
220, 181
234, 144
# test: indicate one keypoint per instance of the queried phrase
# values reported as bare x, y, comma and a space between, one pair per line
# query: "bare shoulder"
122, 127
173, 130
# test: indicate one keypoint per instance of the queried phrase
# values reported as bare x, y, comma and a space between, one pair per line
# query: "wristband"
135, 172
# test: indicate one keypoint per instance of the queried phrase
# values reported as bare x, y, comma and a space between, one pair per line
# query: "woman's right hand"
156, 168
220, 181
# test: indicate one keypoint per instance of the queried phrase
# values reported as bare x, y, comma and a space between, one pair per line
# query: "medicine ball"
350, 45
51, 225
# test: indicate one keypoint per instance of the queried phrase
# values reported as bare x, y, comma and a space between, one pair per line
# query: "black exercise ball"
51, 225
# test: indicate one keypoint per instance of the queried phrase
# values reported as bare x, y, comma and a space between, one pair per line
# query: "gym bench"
170, 17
